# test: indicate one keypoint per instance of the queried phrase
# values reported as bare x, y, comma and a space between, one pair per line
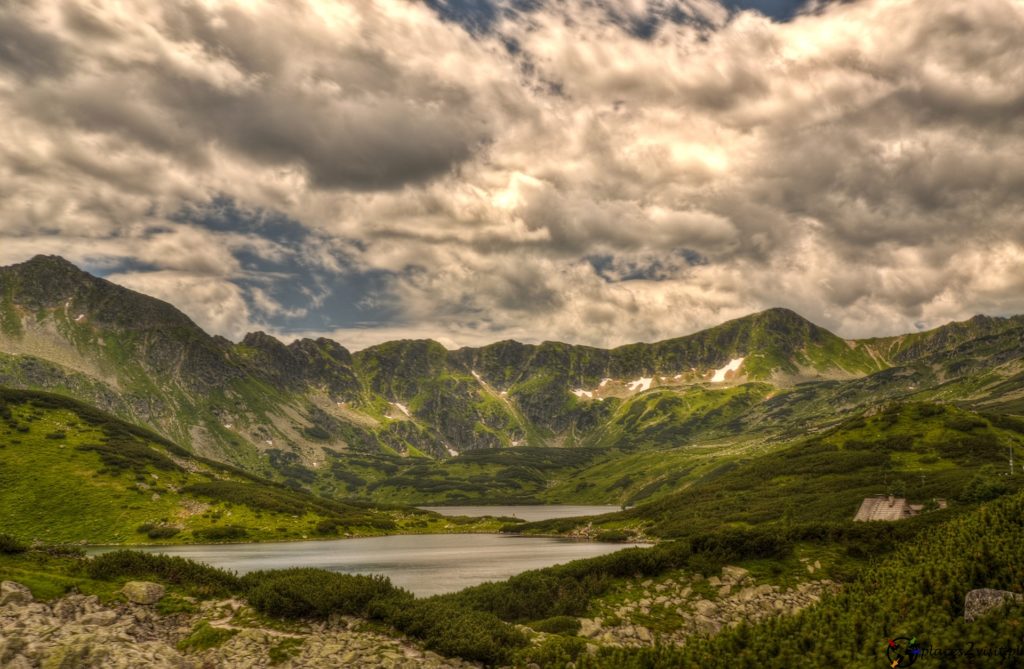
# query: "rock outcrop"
980, 602
79, 631
685, 605
143, 592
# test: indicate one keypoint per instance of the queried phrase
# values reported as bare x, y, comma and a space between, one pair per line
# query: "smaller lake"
525, 512
426, 564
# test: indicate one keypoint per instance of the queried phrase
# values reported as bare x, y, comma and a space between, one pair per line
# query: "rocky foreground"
676, 606
78, 632
153, 631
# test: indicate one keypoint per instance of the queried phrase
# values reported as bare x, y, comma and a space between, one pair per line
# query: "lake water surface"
523, 512
426, 564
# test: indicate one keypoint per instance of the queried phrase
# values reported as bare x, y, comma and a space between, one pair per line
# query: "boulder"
979, 602
12, 593
589, 628
705, 607
733, 574
143, 592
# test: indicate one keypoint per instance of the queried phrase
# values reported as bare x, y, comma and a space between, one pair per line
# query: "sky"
591, 171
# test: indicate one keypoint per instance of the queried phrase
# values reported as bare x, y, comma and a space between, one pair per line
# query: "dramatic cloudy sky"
594, 171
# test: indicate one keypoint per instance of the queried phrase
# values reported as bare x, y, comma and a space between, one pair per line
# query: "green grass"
919, 451
69, 473
285, 650
204, 637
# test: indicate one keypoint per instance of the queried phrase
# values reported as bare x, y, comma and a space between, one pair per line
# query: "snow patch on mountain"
720, 374
643, 383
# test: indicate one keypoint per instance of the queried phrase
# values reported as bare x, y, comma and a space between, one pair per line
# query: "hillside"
412, 421
72, 473
917, 592
919, 451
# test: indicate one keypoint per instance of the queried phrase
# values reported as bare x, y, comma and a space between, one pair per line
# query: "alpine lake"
425, 564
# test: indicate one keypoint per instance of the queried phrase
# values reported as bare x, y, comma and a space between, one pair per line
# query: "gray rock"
143, 592
979, 602
103, 618
705, 607
589, 628
746, 594
12, 593
733, 574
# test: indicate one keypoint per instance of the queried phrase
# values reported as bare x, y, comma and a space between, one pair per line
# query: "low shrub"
204, 637
202, 579
558, 651
300, 593
162, 532
10, 545
558, 625
450, 629
614, 536
221, 532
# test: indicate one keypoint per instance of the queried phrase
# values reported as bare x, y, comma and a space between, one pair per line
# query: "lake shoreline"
512, 535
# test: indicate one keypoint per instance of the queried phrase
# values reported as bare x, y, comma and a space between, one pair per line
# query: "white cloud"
217, 306
863, 164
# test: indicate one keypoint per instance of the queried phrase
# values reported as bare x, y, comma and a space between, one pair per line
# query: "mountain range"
412, 421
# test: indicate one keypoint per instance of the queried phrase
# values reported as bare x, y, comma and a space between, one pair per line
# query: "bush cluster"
442, 625
9, 545
202, 579
221, 533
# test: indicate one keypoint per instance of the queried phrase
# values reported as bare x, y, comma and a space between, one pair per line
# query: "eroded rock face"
143, 592
79, 631
978, 603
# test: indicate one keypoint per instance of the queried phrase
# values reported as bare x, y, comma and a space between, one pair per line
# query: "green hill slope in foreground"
916, 592
916, 450
72, 473
913, 585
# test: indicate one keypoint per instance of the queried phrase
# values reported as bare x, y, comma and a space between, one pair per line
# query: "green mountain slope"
72, 473
918, 451
395, 420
